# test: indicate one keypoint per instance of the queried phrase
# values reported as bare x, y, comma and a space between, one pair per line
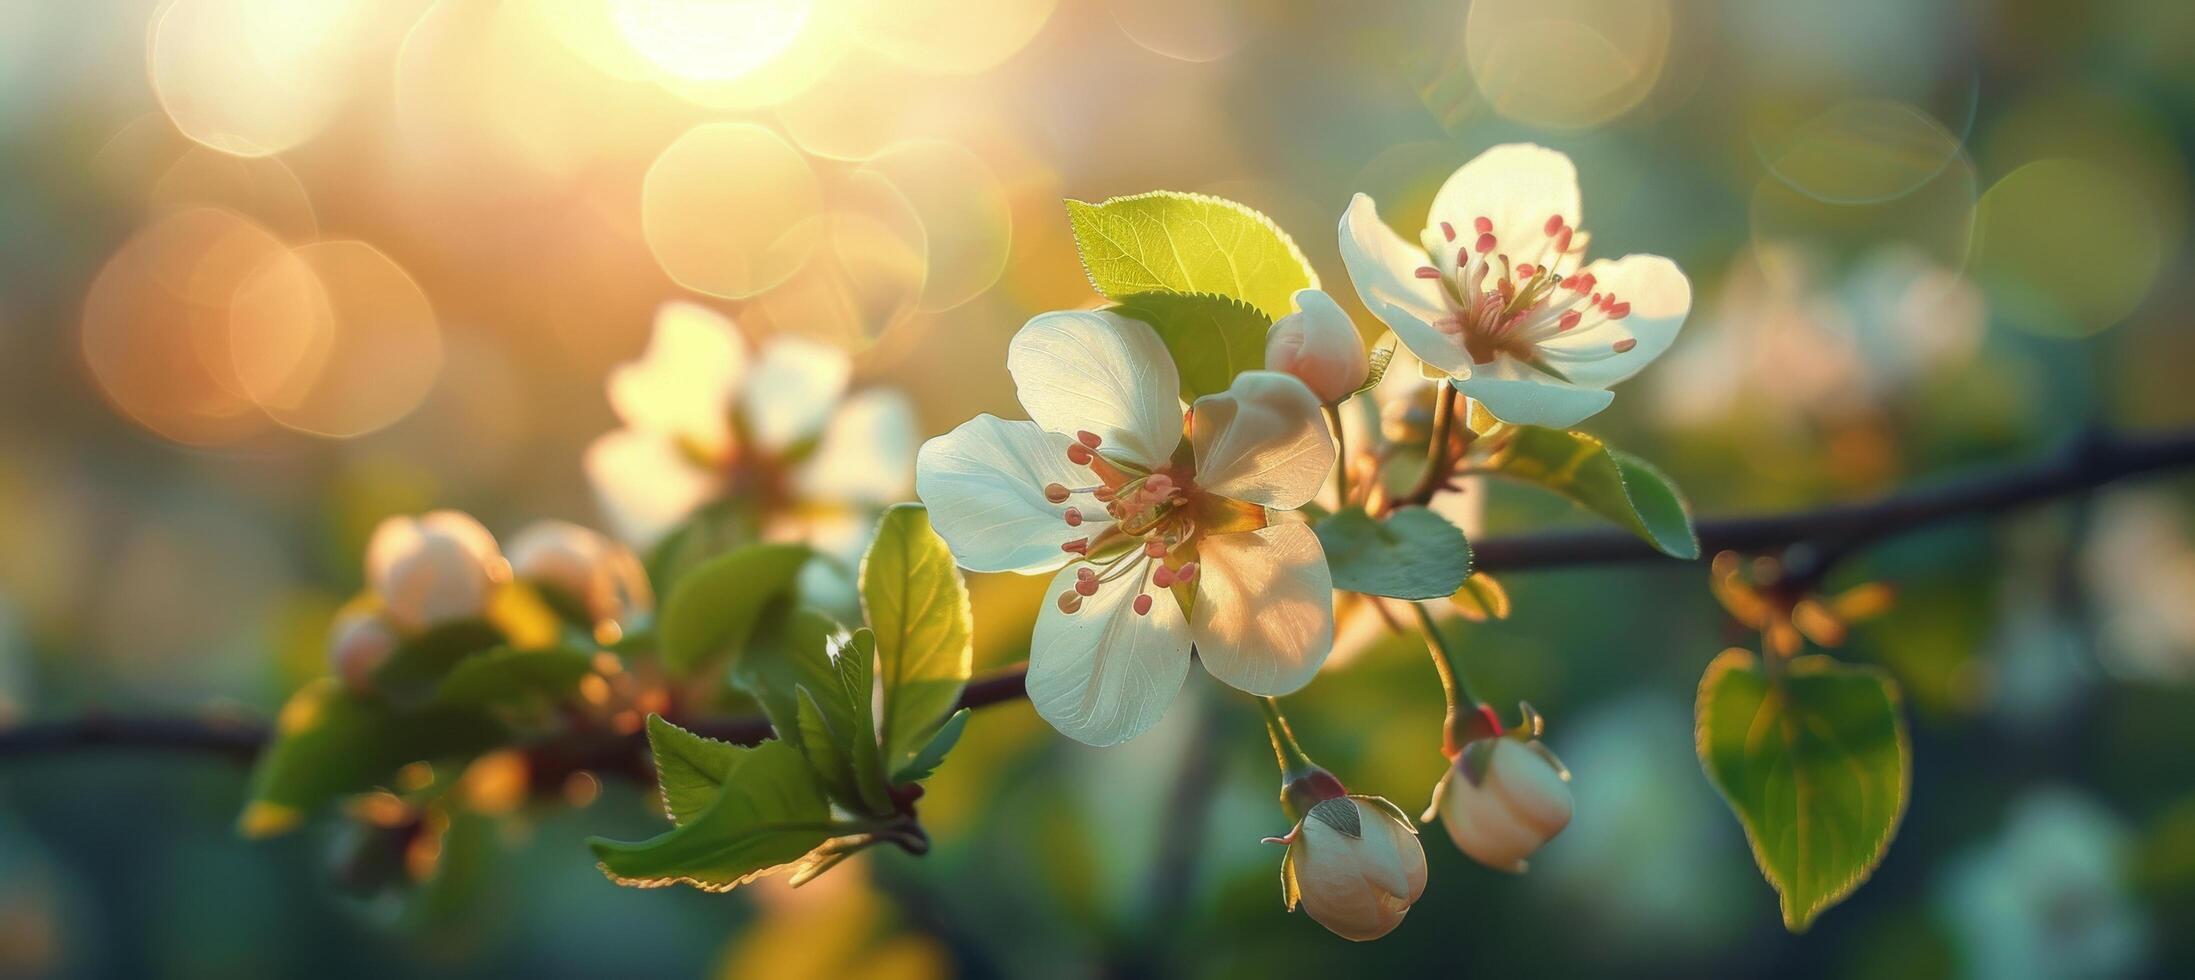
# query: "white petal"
645, 484
984, 484
1264, 615
1263, 440
432, 569
867, 454
796, 385
1103, 674
1383, 267
1531, 401
1103, 373
1660, 297
682, 385
1516, 186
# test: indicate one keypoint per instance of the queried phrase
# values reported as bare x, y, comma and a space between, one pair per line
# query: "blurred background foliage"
274, 270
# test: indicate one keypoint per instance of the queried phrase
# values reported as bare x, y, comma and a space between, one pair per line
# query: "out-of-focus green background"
1921, 235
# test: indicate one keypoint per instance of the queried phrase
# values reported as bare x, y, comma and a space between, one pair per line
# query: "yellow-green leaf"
714, 609
329, 742
917, 605
1171, 242
1212, 337
1608, 482
1816, 765
770, 815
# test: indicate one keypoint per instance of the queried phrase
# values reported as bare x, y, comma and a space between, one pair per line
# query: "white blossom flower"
1359, 887
701, 423
1496, 295
1502, 800
439, 567
1320, 346
1164, 533
601, 577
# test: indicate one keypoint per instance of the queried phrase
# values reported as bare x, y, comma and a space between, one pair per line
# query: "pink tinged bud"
1359, 887
1482, 224
1319, 346
1187, 571
1553, 226
1078, 454
1143, 604
436, 568
1089, 438
600, 576
358, 644
1502, 800
1625, 345
1069, 602
1056, 493
1484, 245
1074, 516
1086, 586
1079, 546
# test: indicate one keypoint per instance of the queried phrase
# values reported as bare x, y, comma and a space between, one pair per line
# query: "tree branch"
1834, 531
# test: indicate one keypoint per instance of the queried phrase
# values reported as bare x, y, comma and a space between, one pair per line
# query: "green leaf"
1412, 553
1212, 337
1816, 766
1608, 482
932, 753
689, 769
769, 816
504, 677
822, 747
713, 610
1481, 598
329, 742
802, 649
412, 673
917, 603
1170, 242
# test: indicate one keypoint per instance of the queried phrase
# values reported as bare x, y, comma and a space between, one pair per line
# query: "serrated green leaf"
932, 754
1606, 481
689, 769
504, 677
823, 749
917, 604
802, 648
1815, 765
1412, 553
1167, 241
328, 742
713, 611
770, 816
1211, 337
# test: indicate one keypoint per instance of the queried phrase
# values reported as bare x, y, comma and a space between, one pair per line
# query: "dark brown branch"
1834, 531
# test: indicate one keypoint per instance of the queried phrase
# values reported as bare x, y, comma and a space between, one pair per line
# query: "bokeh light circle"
727, 209
263, 188
1862, 151
1193, 32
868, 280
253, 77
949, 37
153, 331
1566, 63
2065, 247
967, 219
333, 338
1935, 219
709, 40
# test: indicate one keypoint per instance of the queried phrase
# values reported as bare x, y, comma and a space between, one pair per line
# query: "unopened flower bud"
1503, 799
433, 569
1318, 345
358, 644
603, 578
1354, 863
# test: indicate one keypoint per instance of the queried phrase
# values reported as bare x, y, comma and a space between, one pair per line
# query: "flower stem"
1341, 457
1459, 696
1436, 448
1293, 761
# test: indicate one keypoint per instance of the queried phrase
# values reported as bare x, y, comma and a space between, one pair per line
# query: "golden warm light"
730, 238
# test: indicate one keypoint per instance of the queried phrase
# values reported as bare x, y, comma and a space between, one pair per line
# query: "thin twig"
1831, 533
